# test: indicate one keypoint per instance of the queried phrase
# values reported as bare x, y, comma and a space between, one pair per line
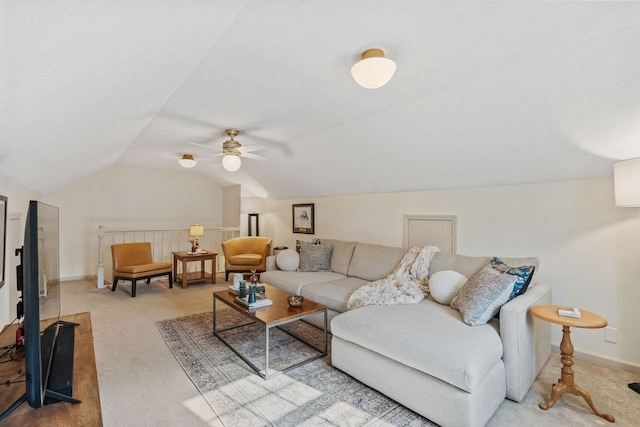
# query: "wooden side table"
201, 276
566, 383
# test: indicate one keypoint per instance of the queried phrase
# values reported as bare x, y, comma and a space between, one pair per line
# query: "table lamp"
626, 181
195, 231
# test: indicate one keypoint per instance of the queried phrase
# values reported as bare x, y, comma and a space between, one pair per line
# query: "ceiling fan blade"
251, 148
204, 146
253, 156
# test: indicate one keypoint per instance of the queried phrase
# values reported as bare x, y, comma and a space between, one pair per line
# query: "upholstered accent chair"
243, 254
133, 261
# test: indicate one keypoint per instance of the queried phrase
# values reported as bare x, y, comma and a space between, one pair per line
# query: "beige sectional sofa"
423, 355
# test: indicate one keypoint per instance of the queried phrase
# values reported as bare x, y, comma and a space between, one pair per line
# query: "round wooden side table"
566, 384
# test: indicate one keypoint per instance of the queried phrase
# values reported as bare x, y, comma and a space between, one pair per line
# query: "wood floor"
85, 385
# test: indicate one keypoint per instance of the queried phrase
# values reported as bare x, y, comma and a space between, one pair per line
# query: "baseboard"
71, 278
604, 361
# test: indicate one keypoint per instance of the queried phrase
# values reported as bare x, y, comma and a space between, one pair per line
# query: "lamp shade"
187, 161
231, 162
626, 180
196, 230
373, 70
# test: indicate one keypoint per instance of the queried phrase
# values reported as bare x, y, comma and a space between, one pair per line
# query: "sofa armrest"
526, 340
271, 263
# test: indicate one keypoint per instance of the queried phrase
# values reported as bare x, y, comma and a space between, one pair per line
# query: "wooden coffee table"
566, 383
277, 314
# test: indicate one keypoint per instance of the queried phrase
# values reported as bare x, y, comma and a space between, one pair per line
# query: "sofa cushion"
333, 294
134, 271
428, 337
374, 262
342, 253
483, 295
315, 257
465, 265
245, 259
293, 281
445, 284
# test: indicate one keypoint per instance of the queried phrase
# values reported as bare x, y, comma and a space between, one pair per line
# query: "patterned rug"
315, 394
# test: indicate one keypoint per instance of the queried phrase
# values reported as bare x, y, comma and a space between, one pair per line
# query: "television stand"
57, 358
14, 406
58, 386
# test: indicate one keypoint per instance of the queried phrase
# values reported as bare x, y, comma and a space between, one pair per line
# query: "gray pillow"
483, 295
315, 257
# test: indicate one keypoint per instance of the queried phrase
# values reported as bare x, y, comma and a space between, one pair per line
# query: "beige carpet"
608, 389
142, 384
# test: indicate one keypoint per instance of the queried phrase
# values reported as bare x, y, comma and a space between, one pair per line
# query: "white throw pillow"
288, 260
444, 285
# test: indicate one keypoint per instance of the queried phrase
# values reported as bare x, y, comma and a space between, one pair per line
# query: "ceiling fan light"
231, 162
187, 161
373, 70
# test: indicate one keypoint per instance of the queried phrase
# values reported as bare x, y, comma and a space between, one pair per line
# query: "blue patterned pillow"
523, 275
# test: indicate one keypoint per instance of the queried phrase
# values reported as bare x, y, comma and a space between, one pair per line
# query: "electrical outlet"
611, 335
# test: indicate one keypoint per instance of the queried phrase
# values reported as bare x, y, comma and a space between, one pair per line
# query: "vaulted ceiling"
485, 93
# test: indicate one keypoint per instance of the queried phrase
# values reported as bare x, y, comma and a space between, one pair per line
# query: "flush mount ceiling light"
187, 161
373, 70
231, 161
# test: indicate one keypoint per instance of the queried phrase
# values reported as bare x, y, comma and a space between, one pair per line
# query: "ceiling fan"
232, 150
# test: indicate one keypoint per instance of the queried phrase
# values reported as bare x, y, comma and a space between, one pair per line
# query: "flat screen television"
48, 341
3, 236
41, 294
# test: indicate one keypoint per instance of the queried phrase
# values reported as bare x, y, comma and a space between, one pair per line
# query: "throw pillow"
444, 285
300, 242
483, 295
523, 275
288, 260
315, 257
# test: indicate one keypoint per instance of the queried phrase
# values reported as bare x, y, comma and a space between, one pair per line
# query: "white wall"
589, 248
231, 206
18, 204
126, 198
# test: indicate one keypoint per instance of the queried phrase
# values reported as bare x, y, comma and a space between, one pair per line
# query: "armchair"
133, 261
243, 254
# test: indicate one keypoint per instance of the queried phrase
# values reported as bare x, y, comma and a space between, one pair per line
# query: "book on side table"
198, 252
569, 312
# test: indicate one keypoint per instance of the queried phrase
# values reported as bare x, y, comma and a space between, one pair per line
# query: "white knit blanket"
408, 283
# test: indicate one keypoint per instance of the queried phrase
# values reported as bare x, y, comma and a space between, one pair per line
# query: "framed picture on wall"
303, 218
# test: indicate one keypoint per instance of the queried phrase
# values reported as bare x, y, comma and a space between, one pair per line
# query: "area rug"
315, 394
